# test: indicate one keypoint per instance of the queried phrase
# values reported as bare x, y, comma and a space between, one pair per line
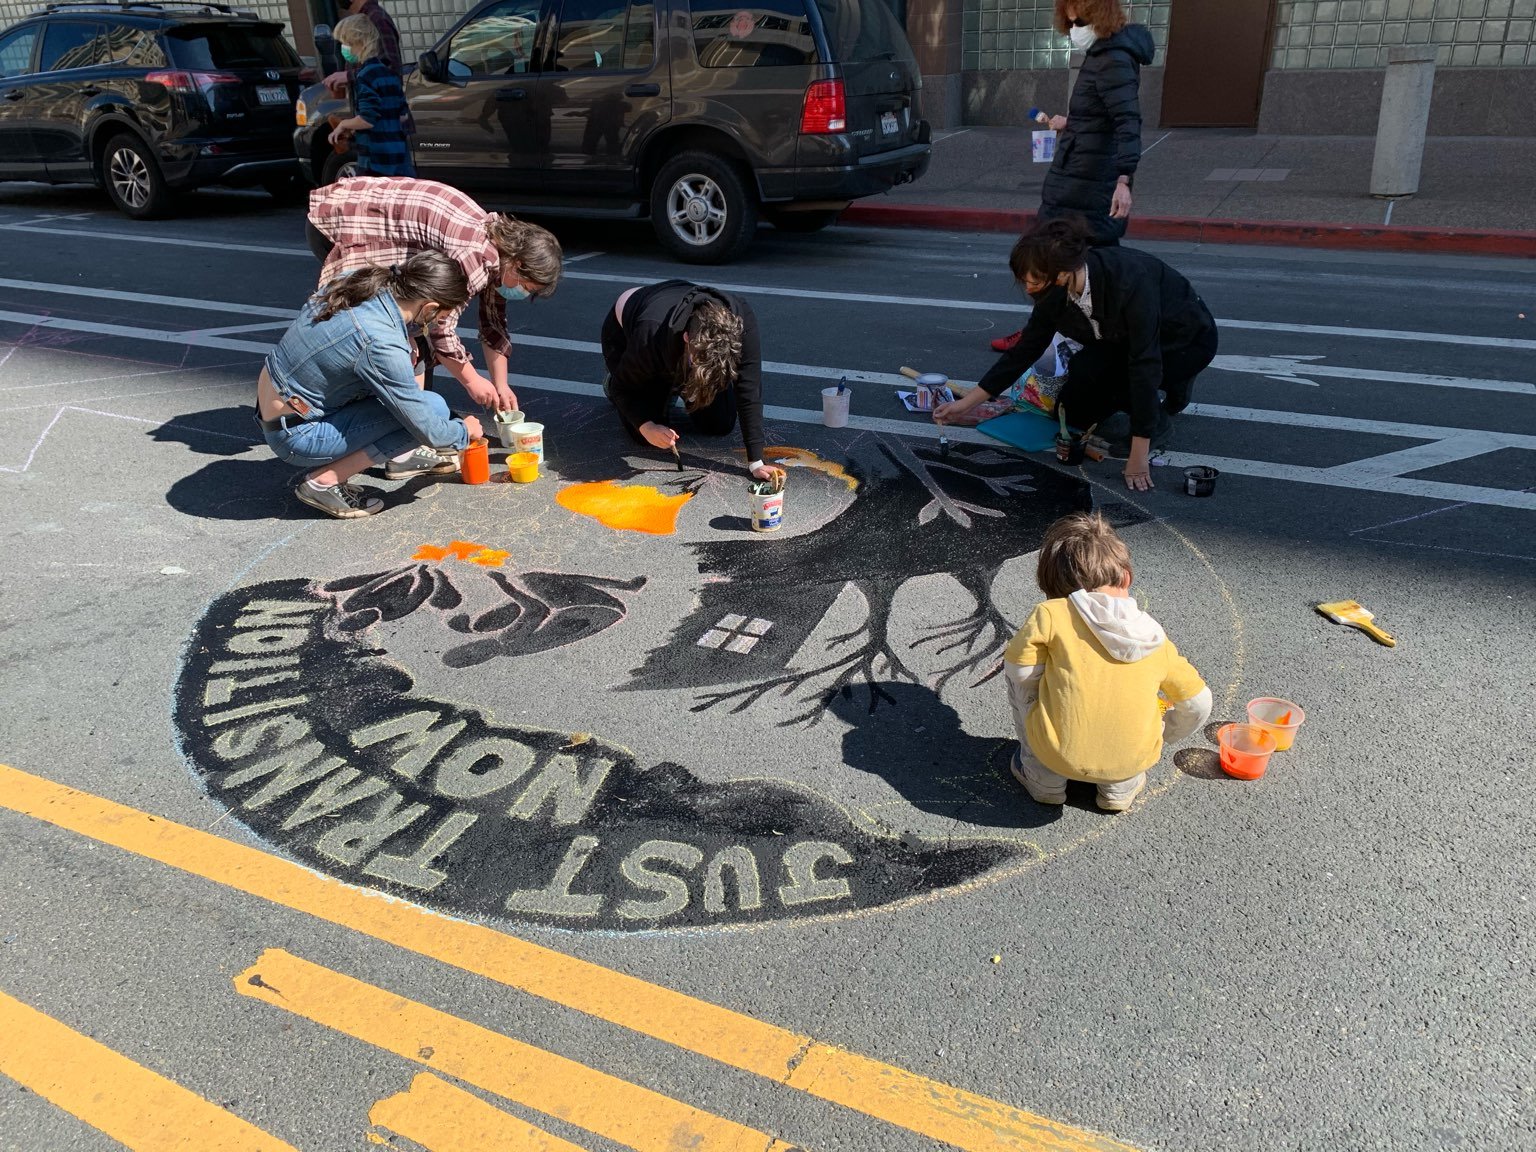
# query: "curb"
1195, 229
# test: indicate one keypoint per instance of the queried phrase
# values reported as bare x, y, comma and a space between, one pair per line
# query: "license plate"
889, 125
277, 95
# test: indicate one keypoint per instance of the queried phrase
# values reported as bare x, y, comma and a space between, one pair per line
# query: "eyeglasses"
1079, 23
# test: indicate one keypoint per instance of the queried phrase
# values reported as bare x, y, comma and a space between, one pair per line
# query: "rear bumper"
868, 176
191, 164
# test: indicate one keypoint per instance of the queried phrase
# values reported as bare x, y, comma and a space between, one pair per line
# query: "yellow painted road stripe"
136, 1107
966, 1120
633, 1116
443, 1118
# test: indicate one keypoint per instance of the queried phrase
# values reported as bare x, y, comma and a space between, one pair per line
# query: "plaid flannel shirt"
381, 220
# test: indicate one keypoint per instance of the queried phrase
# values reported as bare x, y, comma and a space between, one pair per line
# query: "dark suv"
148, 98
701, 113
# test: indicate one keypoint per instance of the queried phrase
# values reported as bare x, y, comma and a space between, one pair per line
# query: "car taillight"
825, 110
191, 81
300, 113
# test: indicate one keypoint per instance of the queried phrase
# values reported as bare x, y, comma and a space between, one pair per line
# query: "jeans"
361, 425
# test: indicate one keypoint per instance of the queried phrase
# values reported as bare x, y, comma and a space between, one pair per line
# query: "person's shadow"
915, 742
215, 432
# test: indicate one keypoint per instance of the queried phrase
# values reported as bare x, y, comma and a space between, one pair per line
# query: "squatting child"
1084, 674
377, 127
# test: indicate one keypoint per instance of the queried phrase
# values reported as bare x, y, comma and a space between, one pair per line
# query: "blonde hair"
714, 353
358, 33
1081, 551
534, 250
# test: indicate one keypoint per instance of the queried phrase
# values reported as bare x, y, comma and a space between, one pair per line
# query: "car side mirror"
430, 66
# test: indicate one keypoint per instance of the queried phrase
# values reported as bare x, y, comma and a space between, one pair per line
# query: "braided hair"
420, 276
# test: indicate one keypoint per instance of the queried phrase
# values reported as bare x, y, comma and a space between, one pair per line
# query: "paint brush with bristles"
1356, 615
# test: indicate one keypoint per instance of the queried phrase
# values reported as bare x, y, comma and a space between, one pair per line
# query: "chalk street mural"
412, 727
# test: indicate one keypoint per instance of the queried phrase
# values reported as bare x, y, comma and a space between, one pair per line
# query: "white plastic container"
834, 407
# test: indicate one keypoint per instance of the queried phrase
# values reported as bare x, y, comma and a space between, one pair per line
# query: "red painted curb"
1380, 238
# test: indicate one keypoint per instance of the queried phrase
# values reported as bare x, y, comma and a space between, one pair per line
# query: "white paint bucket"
505, 422
1042, 146
767, 511
528, 437
834, 407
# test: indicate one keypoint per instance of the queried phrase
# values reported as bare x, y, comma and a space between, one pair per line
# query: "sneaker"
1120, 446
1006, 343
422, 462
1118, 797
1016, 766
340, 502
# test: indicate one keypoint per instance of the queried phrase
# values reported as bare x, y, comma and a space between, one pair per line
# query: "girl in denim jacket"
339, 393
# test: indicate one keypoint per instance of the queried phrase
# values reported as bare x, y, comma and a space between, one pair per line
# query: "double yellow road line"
927, 1107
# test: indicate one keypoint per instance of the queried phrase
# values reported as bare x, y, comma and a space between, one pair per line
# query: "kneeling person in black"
684, 340
1145, 332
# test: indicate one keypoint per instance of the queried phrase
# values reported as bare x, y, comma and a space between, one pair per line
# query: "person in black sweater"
677, 339
1145, 332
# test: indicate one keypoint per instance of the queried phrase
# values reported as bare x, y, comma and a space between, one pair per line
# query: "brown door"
1214, 72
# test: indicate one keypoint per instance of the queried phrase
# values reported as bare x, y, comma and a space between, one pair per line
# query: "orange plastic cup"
523, 467
475, 462
1245, 750
1279, 717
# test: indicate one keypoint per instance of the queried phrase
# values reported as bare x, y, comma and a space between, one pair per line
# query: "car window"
605, 35
67, 44
862, 30
499, 41
132, 47
208, 47
16, 52
727, 35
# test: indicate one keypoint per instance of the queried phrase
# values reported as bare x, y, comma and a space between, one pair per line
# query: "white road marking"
237, 329
1299, 368
198, 304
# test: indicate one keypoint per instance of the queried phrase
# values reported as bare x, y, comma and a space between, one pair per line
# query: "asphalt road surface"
579, 815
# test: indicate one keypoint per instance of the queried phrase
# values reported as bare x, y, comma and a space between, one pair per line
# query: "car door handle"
14, 94
642, 90
512, 94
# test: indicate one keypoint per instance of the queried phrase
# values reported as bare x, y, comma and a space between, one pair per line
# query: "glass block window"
1017, 34
1358, 33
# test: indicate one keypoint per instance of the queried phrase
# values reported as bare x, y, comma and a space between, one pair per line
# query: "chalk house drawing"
323, 744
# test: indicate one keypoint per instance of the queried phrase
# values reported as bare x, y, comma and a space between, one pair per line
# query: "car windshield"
207, 47
860, 30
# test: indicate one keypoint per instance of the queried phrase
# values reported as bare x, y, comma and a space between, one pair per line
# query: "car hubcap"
347, 170
130, 177
696, 209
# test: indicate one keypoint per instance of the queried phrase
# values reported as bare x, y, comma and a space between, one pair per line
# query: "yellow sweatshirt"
1103, 661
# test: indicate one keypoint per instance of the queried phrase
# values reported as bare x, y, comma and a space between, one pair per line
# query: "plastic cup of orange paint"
475, 462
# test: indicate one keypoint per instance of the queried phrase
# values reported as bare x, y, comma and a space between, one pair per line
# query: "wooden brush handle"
910, 373
1376, 634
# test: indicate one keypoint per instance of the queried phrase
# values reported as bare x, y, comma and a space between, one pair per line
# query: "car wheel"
803, 222
338, 166
133, 179
701, 209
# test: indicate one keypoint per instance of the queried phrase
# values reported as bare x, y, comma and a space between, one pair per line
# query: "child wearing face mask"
377, 126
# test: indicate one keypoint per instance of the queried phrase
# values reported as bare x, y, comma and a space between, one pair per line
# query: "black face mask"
1044, 294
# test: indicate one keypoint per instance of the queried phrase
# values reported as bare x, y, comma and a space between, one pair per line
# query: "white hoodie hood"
1127, 633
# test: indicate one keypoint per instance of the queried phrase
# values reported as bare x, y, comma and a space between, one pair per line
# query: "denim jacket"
360, 353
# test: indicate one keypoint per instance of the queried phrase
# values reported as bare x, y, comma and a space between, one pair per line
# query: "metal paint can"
767, 508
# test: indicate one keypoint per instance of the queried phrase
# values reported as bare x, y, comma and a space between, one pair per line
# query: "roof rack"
145, 6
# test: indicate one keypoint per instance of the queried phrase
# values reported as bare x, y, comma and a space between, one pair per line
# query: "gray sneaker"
422, 462
340, 502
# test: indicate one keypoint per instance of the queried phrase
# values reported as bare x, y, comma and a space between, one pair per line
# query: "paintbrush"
678, 457
1356, 616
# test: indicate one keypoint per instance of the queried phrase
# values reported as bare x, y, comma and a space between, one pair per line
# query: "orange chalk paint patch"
632, 509
489, 557
800, 458
463, 549
431, 552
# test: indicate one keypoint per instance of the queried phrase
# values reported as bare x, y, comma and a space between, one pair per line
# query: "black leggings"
1099, 380
717, 418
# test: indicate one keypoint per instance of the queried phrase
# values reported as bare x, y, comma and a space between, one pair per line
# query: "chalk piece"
172, 570
997, 959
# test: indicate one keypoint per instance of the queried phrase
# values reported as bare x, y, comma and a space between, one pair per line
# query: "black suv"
701, 113
148, 98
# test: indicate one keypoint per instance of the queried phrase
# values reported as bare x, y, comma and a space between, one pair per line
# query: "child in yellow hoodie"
1084, 674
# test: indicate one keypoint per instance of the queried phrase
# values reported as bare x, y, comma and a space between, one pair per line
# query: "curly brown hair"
714, 353
1106, 16
534, 250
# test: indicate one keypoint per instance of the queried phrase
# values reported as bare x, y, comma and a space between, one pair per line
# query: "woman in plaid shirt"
381, 221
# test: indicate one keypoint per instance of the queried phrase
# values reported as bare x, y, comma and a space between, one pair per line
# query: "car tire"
337, 166
702, 209
133, 178
803, 223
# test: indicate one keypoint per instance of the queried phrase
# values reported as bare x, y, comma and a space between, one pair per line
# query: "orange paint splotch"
802, 458
431, 552
636, 508
489, 557
463, 549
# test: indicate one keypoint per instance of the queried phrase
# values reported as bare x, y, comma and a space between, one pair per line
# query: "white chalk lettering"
237, 743
415, 871
331, 795
425, 741
286, 703
267, 641
291, 768
804, 886
561, 781
743, 866
356, 840
228, 667
672, 891
480, 767
219, 691
558, 899
275, 613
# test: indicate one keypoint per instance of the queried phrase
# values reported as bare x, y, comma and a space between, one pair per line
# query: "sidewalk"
1218, 185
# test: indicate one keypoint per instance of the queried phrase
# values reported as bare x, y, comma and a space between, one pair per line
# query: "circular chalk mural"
602, 702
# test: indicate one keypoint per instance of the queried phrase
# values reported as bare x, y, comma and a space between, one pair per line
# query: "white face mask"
1083, 38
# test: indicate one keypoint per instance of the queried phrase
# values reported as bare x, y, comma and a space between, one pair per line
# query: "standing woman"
377, 127
1099, 145
339, 394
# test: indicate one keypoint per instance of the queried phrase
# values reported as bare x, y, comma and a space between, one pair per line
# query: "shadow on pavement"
217, 432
